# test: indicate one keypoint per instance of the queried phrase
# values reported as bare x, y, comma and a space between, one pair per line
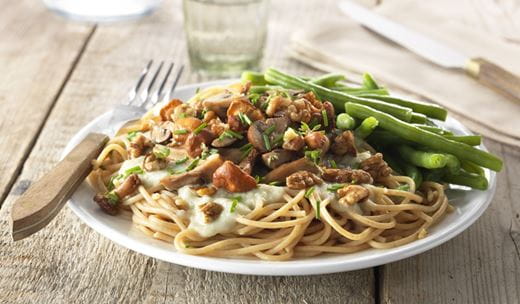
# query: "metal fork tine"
133, 92
174, 85
146, 92
159, 92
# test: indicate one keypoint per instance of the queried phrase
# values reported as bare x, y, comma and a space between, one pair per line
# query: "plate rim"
284, 268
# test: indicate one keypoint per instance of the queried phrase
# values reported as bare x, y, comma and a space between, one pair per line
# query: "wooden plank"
482, 265
37, 53
68, 262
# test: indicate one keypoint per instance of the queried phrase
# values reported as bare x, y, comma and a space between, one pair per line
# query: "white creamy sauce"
263, 194
149, 178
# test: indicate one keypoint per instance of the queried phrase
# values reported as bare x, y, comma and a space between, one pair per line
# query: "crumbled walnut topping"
346, 176
211, 211
376, 166
302, 179
277, 104
344, 144
139, 145
352, 194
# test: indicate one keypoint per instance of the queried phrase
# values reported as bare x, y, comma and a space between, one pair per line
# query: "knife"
486, 72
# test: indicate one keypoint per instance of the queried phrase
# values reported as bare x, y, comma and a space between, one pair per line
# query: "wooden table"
57, 75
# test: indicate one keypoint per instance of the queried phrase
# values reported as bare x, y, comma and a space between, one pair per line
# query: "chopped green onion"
267, 142
136, 169
193, 164
244, 119
234, 202
318, 203
112, 197
181, 161
335, 187
313, 155
131, 135
161, 151
200, 128
333, 164
180, 132
325, 118
309, 192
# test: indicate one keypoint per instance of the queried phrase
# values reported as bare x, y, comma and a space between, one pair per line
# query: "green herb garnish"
183, 115
112, 197
200, 128
136, 169
111, 185
318, 203
333, 164
335, 187
258, 179
131, 135
197, 90
270, 130
309, 192
274, 183
325, 118
193, 164
161, 151
313, 155
246, 149
304, 128
234, 202
254, 98
207, 153
180, 132
244, 119
181, 161
230, 134
267, 142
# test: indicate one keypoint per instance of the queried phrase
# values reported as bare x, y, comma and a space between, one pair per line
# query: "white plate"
469, 207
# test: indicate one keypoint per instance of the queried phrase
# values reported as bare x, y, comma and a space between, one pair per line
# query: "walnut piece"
139, 145
302, 179
346, 176
211, 211
344, 144
376, 166
352, 194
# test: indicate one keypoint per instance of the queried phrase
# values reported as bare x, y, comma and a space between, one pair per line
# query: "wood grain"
69, 263
482, 265
37, 52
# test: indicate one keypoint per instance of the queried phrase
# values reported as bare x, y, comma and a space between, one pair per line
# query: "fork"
45, 198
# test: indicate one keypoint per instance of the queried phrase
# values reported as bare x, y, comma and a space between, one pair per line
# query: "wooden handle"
45, 198
495, 77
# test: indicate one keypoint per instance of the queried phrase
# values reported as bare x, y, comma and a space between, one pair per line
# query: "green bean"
385, 138
369, 82
434, 175
366, 127
328, 80
412, 172
471, 167
431, 140
452, 163
256, 78
338, 99
428, 109
464, 178
359, 91
418, 118
434, 129
428, 160
393, 163
345, 121
262, 89
472, 140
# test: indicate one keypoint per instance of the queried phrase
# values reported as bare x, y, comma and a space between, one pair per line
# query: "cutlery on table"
486, 72
45, 198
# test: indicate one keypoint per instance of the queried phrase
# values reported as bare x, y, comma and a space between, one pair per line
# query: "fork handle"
45, 198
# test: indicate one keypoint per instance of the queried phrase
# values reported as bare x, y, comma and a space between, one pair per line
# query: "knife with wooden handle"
45, 198
486, 72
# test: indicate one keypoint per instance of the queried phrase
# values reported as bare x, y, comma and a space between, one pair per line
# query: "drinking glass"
225, 37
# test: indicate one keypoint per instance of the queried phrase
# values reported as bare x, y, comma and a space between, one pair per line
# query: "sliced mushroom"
110, 207
221, 142
128, 186
230, 177
277, 157
199, 175
318, 141
247, 163
272, 128
161, 133
219, 103
280, 174
167, 110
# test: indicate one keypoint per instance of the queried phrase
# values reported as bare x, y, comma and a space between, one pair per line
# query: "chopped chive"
111, 185
193, 164
335, 187
136, 169
181, 161
112, 197
206, 153
254, 98
313, 155
180, 132
183, 115
404, 187
161, 152
270, 130
318, 203
131, 135
278, 140
267, 143
234, 202
258, 179
244, 119
274, 183
230, 134
325, 118
200, 128
197, 90
309, 192
333, 164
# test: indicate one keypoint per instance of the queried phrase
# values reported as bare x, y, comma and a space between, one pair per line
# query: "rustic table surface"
57, 75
